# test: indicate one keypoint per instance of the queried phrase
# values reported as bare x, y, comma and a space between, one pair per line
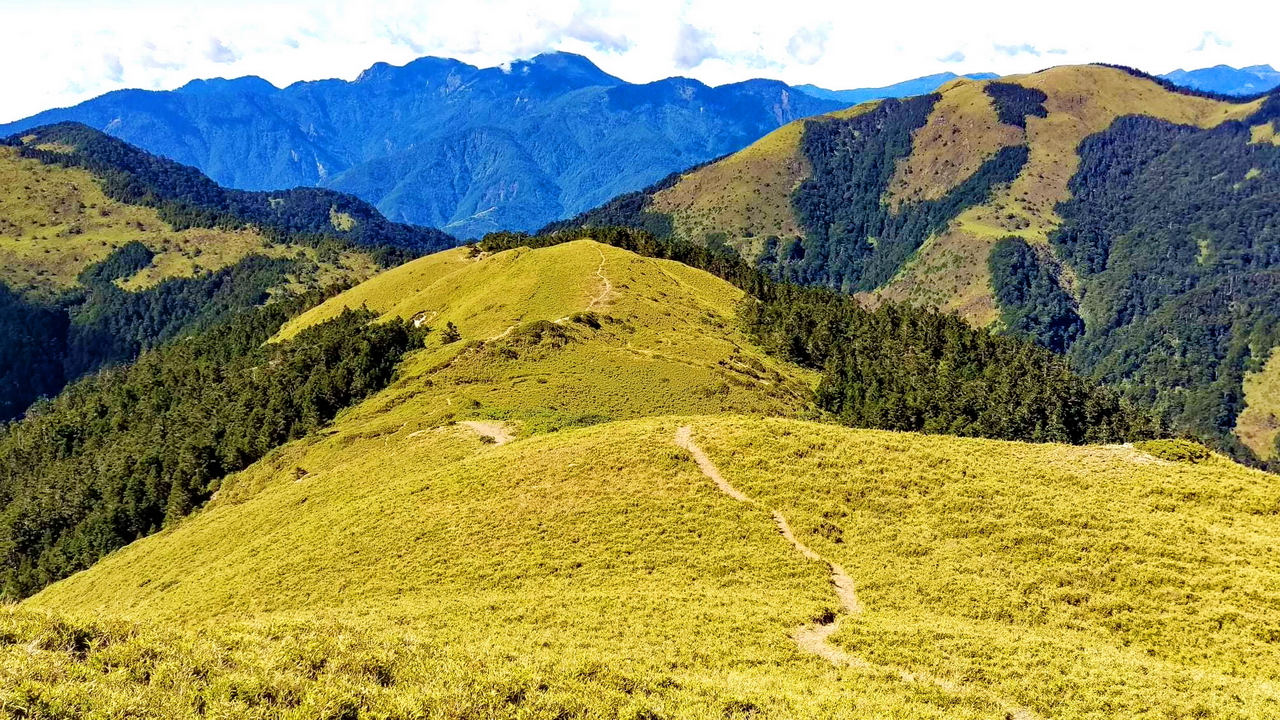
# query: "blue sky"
81, 48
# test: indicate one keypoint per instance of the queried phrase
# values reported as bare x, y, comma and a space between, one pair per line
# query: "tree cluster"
854, 240
1015, 103
122, 453
1032, 301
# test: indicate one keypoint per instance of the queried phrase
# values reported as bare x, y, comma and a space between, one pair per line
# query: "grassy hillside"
1258, 425
746, 198
375, 565
579, 332
55, 222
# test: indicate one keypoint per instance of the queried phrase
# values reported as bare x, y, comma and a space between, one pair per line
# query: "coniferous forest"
120, 454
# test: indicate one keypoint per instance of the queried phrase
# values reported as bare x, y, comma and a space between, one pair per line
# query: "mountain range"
445, 144
1227, 80
906, 88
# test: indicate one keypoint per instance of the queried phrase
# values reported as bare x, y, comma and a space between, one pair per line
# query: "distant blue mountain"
442, 143
906, 88
1228, 80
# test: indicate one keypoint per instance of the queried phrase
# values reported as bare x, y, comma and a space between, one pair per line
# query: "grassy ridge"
1052, 575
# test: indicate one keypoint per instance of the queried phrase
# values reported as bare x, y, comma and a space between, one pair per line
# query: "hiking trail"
608, 286
815, 639
500, 433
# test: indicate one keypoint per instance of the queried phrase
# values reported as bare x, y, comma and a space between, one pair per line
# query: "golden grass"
663, 340
961, 134
1080, 582
1258, 425
55, 222
1264, 133
1082, 101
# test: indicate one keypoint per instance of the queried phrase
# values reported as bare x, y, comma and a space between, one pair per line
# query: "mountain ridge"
586, 134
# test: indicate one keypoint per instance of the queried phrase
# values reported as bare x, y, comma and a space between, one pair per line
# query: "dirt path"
608, 286
500, 432
815, 639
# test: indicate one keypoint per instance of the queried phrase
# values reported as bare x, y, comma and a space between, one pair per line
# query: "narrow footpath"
815, 639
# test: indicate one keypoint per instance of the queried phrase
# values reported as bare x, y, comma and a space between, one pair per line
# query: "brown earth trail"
815, 639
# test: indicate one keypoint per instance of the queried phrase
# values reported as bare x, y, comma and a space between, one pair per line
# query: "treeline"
1174, 233
1015, 103
184, 197
853, 240
122, 453
899, 367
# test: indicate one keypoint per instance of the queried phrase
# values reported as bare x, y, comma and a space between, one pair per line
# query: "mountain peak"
249, 84
559, 69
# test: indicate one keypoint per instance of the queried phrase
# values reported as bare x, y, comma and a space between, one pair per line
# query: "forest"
122, 453
100, 324
1174, 233
1029, 289
899, 367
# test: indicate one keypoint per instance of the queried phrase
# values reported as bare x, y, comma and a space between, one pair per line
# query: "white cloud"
220, 52
808, 45
104, 45
693, 47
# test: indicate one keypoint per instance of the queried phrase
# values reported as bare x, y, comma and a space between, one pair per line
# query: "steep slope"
442, 143
999, 200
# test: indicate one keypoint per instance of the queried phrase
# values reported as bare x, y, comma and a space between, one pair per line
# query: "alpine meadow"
494, 386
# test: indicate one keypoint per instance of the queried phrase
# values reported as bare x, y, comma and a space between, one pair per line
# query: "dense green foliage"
101, 324
1032, 301
184, 197
1174, 233
1015, 103
122, 453
123, 262
899, 367
445, 144
854, 241
31, 353
110, 325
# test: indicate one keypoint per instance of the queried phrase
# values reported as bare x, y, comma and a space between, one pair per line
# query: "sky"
59, 52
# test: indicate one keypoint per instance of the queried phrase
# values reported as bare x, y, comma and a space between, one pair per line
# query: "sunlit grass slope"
1258, 425
746, 197
556, 570
56, 221
570, 334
